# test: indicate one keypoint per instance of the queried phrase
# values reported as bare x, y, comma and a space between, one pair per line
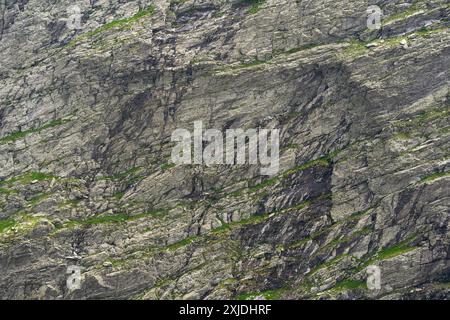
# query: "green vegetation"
6, 223
327, 264
255, 5
167, 166
435, 176
317, 234
355, 48
359, 214
116, 23
321, 162
35, 200
349, 285
425, 117
334, 242
71, 203
20, 134
182, 243
324, 162
251, 220
425, 32
416, 8
390, 252
262, 185
394, 251
401, 15
268, 295
402, 136
116, 218
253, 63
118, 195
28, 177
7, 191
261, 217
122, 175
358, 48
177, 2
106, 219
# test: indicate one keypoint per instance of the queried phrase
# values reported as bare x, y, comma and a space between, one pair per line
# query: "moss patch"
6, 223
435, 176
21, 134
255, 5
116, 24
268, 295
116, 218
390, 252
7, 191
349, 285
167, 166
29, 177
182, 243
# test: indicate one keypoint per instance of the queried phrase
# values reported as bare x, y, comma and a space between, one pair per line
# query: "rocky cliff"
87, 113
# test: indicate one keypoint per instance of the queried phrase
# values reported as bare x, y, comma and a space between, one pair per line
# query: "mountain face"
91, 92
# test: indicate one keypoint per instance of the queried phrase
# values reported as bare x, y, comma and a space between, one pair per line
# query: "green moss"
167, 166
261, 217
116, 24
70, 203
425, 32
390, 252
6, 223
21, 134
324, 162
177, 2
250, 64
317, 234
355, 48
359, 214
219, 14
255, 5
118, 195
354, 235
394, 251
182, 243
434, 176
122, 175
35, 200
106, 219
28, 177
6, 102
321, 162
262, 185
401, 15
327, 264
116, 218
425, 117
349, 285
7, 191
402, 136
223, 228
268, 295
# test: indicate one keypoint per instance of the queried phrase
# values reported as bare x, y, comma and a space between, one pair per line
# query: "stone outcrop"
86, 117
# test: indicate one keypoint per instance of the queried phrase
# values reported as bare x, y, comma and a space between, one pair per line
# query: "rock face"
88, 106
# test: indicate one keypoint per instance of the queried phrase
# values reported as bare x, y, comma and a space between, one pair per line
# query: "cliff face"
86, 117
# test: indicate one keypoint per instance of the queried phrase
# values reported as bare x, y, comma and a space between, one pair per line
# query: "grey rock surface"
86, 117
